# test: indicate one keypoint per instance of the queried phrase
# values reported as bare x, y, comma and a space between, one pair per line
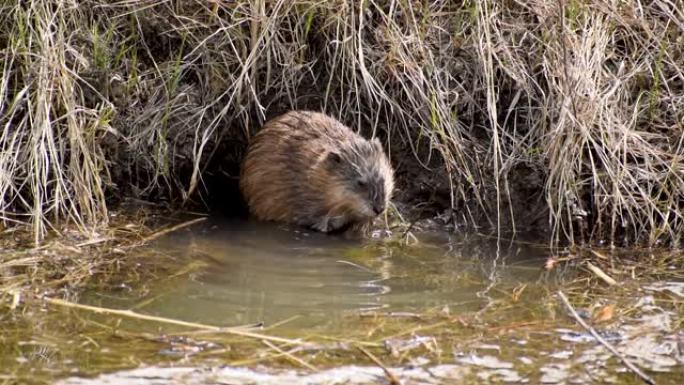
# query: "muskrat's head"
363, 176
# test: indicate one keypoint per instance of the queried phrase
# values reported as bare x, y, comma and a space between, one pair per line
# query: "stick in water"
605, 343
172, 229
132, 314
393, 380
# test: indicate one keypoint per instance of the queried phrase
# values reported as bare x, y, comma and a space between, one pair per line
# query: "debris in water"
675, 288
555, 373
489, 362
583, 337
397, 346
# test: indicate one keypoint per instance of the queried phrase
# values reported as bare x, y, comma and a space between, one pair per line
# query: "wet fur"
302, 168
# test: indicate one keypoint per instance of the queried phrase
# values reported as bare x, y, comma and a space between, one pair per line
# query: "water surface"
267, 273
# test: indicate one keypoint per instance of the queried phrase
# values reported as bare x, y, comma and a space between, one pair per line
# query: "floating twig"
171, 229
605, 343
132, 314
391, 377
599, 273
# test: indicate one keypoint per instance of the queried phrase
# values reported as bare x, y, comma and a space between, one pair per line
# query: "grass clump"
560, 114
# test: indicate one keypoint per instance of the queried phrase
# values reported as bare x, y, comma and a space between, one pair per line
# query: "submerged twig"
605, 343
291, 356
355, 265
283, 322
263, 358
132, 314
391, 377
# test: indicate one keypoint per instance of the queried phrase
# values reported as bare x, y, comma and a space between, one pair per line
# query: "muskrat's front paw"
322, 225
336, 223
330, 224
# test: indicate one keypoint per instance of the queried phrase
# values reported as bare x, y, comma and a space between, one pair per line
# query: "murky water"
266, 274
443, 308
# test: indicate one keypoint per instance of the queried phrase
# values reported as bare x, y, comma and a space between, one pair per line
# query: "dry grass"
124, 98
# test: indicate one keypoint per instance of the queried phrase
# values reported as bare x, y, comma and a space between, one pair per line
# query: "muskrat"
309, 169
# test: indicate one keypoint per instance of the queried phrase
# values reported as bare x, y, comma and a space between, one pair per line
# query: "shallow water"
265, 274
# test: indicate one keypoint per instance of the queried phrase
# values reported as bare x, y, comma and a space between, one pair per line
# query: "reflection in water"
269, 273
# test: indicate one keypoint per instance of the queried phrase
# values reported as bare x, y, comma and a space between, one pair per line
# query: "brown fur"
309, 169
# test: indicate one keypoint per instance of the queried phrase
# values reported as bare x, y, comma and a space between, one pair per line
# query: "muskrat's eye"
360, 183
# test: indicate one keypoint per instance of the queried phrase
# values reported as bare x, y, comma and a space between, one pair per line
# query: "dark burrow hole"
220, 193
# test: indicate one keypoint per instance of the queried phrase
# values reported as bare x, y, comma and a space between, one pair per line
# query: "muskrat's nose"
378, 209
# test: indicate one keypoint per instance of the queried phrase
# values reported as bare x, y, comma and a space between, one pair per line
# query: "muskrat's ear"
334, 158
